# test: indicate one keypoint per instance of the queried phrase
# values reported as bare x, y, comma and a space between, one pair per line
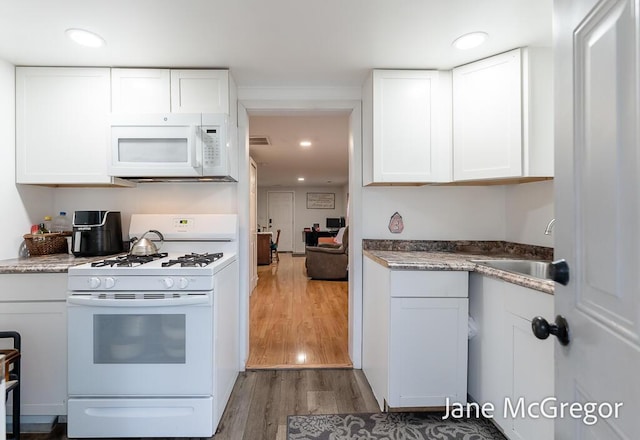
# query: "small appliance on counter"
97, 233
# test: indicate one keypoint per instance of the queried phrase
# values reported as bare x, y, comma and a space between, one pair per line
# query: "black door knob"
559, 272
542, 329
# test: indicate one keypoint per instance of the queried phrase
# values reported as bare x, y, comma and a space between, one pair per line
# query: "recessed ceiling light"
300, 179
305, 143
85, 38
471, 40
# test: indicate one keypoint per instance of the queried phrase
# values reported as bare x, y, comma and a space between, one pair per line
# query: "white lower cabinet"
415, 336
508, 366
34, 306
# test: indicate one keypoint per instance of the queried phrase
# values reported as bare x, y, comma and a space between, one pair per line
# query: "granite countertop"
425, 260
53, 263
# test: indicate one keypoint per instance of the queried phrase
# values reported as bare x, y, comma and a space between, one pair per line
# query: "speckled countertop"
43, 264
425, 260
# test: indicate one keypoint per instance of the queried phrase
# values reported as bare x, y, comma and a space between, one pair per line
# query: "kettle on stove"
145, 246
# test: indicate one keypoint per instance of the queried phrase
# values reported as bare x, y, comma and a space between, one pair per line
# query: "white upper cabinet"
172, 91
62, 135
140, 91
406, 127
200, 91
502, 117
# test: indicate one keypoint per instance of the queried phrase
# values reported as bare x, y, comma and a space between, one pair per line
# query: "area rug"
389, 426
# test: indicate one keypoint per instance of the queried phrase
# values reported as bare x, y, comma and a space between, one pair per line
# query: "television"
334, 223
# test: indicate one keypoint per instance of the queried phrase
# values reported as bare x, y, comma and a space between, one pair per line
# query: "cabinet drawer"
429, 284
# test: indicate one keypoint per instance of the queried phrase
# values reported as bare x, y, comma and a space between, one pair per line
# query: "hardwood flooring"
262, 399
296, 322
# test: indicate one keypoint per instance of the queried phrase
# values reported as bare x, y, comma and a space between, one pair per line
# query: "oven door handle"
169, 302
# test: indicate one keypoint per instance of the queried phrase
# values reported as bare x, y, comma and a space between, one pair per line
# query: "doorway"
295, 321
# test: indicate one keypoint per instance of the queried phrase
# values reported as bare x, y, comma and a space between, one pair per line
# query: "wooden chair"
274, 246
12, 378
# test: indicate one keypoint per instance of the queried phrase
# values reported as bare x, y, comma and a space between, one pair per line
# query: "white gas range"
153, 341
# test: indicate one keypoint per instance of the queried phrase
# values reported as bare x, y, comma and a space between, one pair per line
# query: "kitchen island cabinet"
415, 335
406, 120
506, 361
62, 126
502, 118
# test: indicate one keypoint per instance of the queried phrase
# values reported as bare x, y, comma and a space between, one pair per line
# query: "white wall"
22, 205
303, 217
161, 198
529, 207
435, 212
516, 213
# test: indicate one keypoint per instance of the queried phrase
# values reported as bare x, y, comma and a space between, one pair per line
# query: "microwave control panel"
211, 148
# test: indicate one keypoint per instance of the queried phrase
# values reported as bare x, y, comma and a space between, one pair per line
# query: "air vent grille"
259, 140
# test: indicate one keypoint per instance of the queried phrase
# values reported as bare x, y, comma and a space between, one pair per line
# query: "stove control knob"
167, 283
183, 283
109, 283
94, 282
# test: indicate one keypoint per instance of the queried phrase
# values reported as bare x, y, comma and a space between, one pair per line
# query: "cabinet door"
428, 351
375, 328
532, 378
488, 372
530, 360
43, 327
200, 91
507, 364
140, 91
62, 134
411, 129
487, 118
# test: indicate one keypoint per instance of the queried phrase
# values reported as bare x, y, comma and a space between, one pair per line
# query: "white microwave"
172, 146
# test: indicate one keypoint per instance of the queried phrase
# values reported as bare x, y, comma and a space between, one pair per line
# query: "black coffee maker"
97, 233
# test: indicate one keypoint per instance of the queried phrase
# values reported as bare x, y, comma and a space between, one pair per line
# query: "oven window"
139, 339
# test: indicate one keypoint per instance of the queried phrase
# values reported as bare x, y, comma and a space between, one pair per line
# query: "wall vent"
259, 140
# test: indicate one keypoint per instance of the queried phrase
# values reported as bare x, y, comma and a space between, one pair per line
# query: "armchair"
328, 262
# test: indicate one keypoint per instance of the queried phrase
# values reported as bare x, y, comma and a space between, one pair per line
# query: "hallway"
296, 322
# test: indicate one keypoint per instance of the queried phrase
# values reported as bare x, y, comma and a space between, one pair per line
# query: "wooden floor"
262, 399
296, 322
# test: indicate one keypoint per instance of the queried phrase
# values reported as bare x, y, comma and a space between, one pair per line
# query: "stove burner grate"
128, 260
194, 260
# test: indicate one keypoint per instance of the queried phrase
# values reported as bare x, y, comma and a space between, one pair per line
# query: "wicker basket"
45, 244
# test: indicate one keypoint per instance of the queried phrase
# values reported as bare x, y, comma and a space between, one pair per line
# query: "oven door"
140, 347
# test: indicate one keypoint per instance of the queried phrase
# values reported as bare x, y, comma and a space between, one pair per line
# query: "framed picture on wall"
321, 200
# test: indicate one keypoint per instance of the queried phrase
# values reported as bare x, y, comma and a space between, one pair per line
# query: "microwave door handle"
169, 302
195, 143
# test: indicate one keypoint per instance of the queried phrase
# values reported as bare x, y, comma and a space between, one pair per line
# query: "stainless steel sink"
533, 268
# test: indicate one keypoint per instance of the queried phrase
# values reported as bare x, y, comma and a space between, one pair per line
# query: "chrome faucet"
549, 227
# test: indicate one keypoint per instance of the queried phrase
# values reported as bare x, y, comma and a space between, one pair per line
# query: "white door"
597, 206
280, 212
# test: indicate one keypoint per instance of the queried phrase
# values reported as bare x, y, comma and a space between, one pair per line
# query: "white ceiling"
271, 42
